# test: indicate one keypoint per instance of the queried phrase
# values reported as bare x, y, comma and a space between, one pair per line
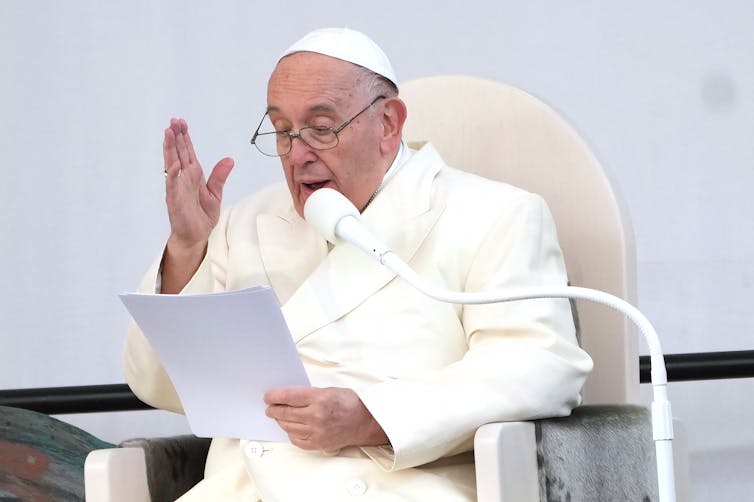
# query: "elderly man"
400, 381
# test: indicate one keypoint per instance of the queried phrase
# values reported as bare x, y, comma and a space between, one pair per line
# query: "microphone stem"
662, 418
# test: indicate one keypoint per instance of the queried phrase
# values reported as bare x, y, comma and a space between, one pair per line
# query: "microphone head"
325, 208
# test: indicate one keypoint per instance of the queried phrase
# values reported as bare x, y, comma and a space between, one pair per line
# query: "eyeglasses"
279, 143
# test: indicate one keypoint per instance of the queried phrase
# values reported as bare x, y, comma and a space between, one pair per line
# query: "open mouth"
315, 186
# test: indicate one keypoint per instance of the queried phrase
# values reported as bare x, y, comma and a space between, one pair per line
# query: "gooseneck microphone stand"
338, 220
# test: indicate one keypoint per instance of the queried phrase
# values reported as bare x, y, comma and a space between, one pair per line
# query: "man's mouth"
316, 185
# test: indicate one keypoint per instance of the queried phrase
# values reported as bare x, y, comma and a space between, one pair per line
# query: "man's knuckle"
320, 415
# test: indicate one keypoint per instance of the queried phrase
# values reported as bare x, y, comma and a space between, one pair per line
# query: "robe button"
356, 487
254, 449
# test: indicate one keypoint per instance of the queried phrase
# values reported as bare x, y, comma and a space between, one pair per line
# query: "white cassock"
431, 373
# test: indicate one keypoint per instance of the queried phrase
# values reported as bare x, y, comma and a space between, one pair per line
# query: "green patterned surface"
42, 458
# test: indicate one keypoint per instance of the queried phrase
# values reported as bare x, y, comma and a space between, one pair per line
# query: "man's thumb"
219, 175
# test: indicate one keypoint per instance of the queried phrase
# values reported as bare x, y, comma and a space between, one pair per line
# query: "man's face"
309, 89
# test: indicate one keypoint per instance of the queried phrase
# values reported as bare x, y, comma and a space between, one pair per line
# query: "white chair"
503, 133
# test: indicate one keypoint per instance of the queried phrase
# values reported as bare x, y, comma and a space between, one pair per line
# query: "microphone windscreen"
325, 208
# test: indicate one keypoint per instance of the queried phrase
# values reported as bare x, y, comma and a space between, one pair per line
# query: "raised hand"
193, 205
324, 418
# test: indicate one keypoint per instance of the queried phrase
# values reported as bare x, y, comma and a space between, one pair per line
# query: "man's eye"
281, 126
320, 131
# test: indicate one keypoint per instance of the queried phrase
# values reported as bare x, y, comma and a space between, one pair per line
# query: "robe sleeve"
523, 361
143, 370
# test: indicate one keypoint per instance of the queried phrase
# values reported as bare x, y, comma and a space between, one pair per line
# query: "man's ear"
393, 117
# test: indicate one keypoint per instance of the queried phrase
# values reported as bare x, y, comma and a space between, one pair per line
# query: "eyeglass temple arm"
256, 132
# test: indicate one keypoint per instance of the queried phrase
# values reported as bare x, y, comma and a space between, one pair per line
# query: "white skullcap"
347, 45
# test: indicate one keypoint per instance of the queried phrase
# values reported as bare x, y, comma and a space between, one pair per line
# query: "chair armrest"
164, 468
505, 455
597, 453
116, 475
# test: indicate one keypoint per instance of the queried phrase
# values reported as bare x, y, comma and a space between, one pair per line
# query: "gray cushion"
174, 464
599, 453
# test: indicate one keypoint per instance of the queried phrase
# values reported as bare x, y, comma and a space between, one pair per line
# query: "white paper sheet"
222, 351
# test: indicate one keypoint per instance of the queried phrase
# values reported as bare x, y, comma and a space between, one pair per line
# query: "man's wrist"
181, 250
179, 264
374, 435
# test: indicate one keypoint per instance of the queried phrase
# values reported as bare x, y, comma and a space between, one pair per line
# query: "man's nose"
300, 152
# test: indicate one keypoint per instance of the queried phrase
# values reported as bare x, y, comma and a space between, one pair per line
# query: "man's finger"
189, 145
218, 176
291, 396
299, 435
169, 152
295, 428
182, 149
304, 443
286, 414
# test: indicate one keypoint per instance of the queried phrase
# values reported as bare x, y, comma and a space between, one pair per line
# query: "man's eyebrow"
317, 107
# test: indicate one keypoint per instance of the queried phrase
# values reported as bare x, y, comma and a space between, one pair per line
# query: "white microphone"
338, 220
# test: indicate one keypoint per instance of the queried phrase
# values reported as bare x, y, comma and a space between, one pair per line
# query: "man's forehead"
317, 68
321, 82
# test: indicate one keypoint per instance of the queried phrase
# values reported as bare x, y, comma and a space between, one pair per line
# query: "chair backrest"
503, 133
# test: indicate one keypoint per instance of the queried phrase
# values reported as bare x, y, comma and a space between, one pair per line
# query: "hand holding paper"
223, 351
324, 419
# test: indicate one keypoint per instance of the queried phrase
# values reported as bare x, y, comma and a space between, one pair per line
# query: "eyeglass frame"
292, 135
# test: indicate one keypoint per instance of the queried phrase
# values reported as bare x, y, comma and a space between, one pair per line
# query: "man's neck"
401, 155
